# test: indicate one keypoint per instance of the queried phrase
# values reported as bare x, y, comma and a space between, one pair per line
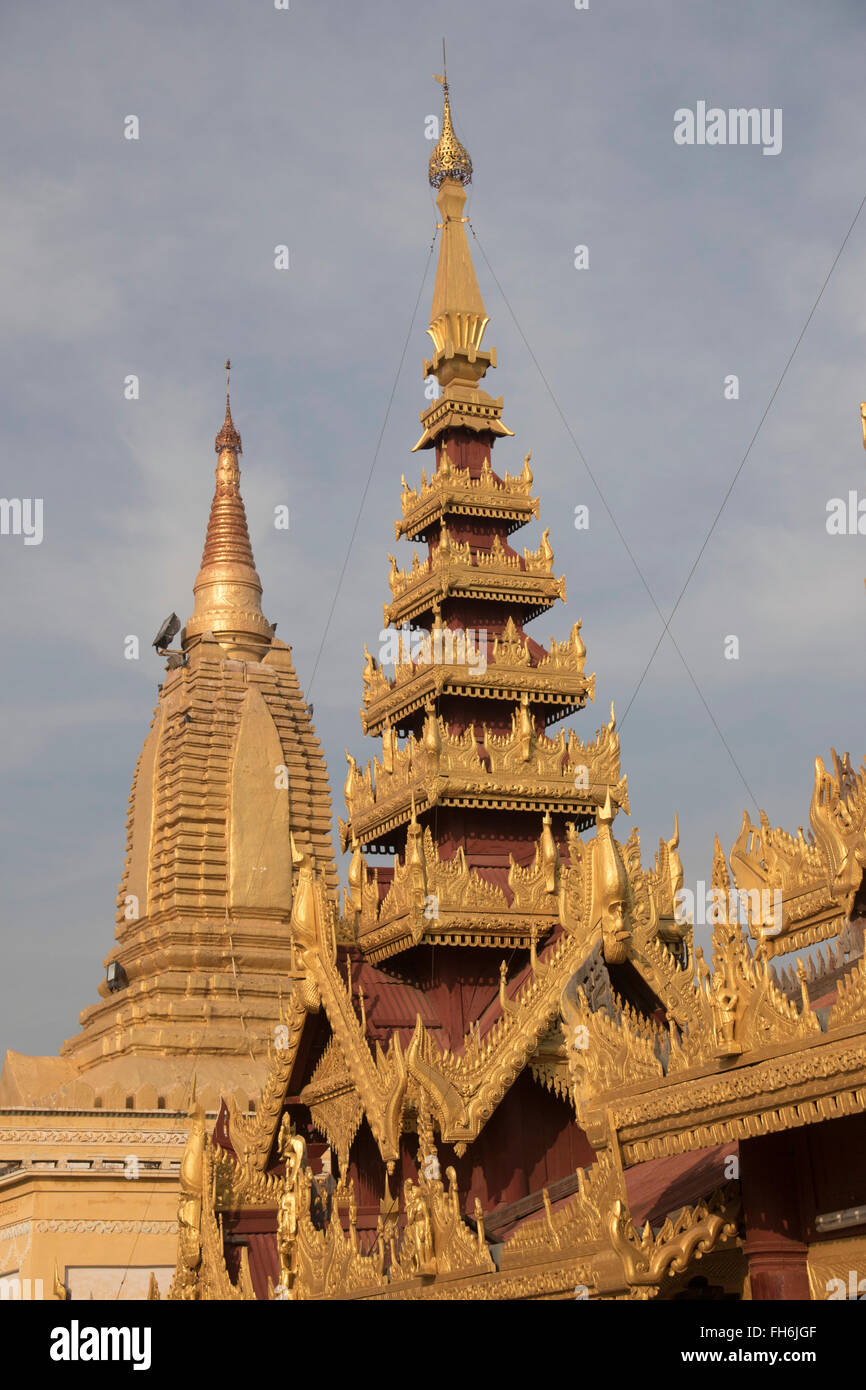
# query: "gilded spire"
457, 317
228, 591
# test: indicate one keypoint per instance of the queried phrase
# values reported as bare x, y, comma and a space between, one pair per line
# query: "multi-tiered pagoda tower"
460, 829
473, 803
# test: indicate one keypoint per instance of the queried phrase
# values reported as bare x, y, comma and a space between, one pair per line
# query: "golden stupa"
230, 769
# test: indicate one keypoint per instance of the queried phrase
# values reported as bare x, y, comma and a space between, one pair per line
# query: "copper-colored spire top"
228, 590
228, 437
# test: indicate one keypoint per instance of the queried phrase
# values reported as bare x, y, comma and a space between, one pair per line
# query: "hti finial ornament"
228, 437
450, 159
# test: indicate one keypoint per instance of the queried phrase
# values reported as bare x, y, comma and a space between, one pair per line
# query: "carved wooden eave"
418, 592
670, 981
648, 1256
465, 1088
595, 1230
459, 789
460, 560
237, 1186
443, 900
548, 1065
380, 1080
787, 1088
458, 408
451, 490
850, 1005
563, 695
550, 683
471, 927
748, 1064
518, 771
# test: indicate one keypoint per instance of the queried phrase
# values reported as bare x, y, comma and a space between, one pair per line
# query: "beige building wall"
90, 1199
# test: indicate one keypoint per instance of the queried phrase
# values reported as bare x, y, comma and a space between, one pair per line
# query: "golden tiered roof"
737, 1057
557, 680
515, 771
612, 1010
458, 570
452, 490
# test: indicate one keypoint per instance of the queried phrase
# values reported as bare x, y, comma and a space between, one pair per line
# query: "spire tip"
228, 437
450, 159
